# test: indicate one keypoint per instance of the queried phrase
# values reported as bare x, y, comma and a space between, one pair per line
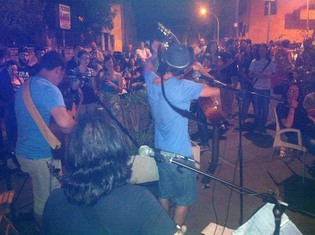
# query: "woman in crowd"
261, 70
88, 84
111, 81
96, 197
112, 86
9, 84
292, 114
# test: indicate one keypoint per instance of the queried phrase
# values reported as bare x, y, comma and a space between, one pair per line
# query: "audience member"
261, 70
305, 58
199, 51
133, 76
87, 76
23, 63
96, 197
293, 115
309, 105
212, 55
4, 56
228, 74
246, 81
111, 81
112, 86
97, 57
74, 61
9, 84
128, 54
142, 54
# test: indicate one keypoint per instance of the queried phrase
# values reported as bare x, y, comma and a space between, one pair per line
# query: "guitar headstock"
168, 33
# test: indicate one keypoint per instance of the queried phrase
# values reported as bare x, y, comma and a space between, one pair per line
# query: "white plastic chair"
278, 142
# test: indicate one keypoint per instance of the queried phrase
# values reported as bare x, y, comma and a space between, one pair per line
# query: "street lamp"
203, 11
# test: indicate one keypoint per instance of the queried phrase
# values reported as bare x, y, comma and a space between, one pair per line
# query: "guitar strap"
254, 82
44, 129
182, 112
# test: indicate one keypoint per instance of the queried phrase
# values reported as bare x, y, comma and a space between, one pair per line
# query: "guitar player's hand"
197, 66
63, 119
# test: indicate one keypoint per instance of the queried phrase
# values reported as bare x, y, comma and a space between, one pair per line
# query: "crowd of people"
97, 159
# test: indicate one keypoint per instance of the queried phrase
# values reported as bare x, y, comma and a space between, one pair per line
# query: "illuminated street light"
203, 11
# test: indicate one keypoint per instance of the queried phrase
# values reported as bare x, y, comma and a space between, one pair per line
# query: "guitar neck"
167, 32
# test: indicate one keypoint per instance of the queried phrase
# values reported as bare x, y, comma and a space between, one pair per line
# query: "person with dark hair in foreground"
96, 197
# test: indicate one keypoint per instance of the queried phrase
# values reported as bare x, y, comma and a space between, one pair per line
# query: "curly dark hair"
97, 160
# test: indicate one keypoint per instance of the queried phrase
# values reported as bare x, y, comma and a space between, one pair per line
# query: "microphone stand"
240, 93
270, 197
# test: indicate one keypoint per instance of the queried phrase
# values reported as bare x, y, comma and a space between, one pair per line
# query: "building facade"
123, 32
288, 20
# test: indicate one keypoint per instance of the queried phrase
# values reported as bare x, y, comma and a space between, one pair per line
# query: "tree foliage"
20, 23
23, 22
87, 17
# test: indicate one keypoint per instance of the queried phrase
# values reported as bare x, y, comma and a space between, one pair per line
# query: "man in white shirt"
142, 54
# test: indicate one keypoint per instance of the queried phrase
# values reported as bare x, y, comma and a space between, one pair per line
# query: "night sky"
174, 14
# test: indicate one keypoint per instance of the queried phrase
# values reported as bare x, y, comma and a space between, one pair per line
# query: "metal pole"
308, 16
63, 38
268, 27
218, 28
237, 5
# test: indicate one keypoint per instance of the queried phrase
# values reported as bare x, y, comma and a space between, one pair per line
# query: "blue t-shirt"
46, 96
171, 129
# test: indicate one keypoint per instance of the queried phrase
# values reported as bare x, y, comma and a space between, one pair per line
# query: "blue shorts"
177, 182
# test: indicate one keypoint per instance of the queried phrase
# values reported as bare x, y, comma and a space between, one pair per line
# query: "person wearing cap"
23, 59
171, 128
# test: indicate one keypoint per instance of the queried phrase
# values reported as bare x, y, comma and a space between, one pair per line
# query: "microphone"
197, 75
146, 151
160, 155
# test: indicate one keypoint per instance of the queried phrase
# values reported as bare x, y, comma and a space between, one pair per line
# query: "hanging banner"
64, 17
